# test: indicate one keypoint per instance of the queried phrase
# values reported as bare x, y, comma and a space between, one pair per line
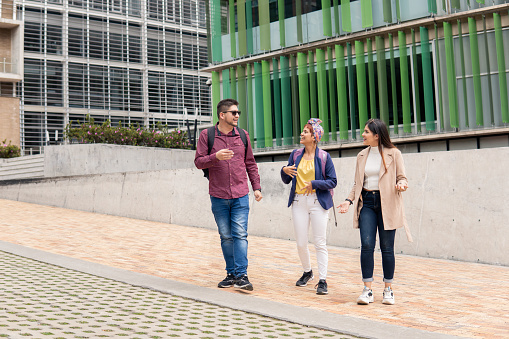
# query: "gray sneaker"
243, 283
366, 297
322, 287
227, 282
303, 281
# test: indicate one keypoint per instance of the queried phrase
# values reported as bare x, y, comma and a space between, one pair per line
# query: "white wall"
81, 159
456, 205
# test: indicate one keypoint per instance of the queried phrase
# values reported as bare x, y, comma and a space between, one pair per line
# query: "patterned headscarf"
317, 129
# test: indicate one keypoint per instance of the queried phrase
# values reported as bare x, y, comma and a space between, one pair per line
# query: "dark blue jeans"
231, 218
370, 220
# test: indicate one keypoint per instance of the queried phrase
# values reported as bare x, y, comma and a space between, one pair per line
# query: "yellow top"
305, 172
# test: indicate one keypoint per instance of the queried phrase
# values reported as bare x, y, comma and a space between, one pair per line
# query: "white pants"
306, 208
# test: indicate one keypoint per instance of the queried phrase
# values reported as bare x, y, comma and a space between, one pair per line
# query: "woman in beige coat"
378, 205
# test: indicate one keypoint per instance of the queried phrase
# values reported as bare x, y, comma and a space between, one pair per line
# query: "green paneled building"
427, 68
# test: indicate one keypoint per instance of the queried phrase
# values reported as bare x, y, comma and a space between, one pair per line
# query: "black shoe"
243, 283
303, 281
322, 287
227, 282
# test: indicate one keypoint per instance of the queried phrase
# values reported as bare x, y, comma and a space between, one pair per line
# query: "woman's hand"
308, 188
344, 206
401, 187
290, 170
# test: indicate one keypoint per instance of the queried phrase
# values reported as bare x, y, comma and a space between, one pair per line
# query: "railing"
7, 9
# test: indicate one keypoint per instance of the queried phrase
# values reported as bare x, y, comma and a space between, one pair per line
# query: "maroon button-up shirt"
227, 178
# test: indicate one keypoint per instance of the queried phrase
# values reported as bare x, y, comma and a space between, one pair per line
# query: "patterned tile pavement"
449, 297
46, 301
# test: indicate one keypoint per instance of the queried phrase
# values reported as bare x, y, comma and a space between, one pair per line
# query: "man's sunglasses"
233, 112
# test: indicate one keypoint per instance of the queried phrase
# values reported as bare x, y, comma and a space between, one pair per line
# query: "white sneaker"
366, 297
388, 296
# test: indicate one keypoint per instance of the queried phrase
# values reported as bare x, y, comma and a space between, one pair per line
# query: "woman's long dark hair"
378, 127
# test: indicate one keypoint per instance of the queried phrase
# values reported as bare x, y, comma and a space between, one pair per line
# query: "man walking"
227, 161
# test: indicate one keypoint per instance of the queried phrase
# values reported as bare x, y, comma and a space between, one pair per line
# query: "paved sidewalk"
433, 296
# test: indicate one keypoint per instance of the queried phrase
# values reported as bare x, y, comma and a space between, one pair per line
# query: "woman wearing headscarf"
312, 174
378, 205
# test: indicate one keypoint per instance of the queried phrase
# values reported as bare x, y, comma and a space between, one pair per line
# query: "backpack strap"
211, 135
296, 154
243, 137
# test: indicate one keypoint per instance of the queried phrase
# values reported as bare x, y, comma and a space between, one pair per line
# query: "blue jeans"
370, 220
231, 218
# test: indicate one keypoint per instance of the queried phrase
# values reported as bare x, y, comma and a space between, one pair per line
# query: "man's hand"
224, 154
258, 195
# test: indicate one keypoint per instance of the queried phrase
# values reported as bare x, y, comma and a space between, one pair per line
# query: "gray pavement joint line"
304, 316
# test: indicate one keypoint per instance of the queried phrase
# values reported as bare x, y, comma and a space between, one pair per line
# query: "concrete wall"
456, 204
78, 159
9, 120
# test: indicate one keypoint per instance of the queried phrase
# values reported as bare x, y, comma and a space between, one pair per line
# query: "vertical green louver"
276, 94
480, 1
321, 78
249, 26
295, 98
429, 111
241, 97
444, 6
326, 14
281, 17
451, 75
398, 11
250, 103
264, 18
351, 91
455, 4
303, 88
286, 103
367, 13
298, 14
226, 83
336, 15
387, 11
216, 94
361, 83
502, 78
346, 16
432, 6
258, 94
233, 44
371, 78
233, 83
332, 95
215, 12
488, 71
395, 113
342, 98
313, 99
417, 92
463, 78
383, 92
439, 80
241, 17
209, 31
267, 103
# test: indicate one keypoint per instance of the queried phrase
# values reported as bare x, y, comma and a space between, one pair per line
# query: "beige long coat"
393, 212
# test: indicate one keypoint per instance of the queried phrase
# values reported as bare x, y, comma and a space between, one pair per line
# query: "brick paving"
449, 297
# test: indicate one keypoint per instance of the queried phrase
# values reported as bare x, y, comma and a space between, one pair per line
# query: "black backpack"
211, 136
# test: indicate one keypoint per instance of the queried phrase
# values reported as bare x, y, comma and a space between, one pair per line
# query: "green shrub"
160, 136
8, 150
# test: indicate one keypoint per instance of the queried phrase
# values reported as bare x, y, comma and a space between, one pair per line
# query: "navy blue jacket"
320, 184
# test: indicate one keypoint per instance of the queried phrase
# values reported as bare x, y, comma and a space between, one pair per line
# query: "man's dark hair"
224, 104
